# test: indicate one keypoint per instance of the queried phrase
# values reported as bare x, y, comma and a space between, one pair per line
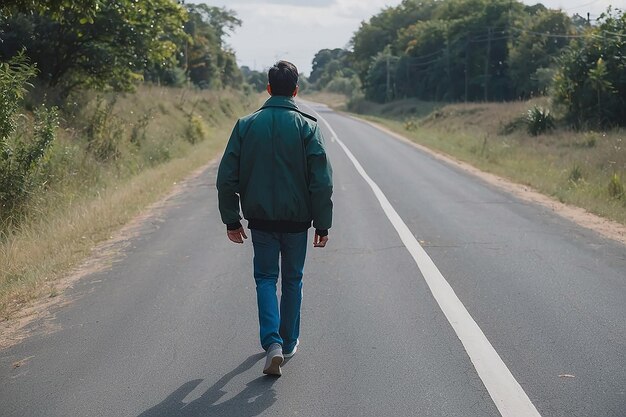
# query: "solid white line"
506, 392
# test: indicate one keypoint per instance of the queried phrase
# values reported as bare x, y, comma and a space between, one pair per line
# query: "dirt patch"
605, 227
104, 255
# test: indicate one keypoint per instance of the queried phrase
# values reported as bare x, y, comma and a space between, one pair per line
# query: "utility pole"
510, 23
187, 72
448, 70
487, 61
408, 77
466, 67
388, 92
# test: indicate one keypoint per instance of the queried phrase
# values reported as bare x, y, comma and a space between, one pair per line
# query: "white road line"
506, 392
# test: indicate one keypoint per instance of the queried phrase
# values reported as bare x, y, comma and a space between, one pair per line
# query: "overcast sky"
296, 29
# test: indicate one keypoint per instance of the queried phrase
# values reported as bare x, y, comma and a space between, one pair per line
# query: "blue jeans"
282, 327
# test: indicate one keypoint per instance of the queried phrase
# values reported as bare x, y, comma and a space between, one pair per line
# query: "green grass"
161, 135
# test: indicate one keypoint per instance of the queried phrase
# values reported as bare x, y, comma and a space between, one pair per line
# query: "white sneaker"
293, 352
273, 360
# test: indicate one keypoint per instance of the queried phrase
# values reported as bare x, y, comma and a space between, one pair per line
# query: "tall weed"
20, 153
197, 130
104, 132
616, 188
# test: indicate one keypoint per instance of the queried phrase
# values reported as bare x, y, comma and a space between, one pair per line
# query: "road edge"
103, 255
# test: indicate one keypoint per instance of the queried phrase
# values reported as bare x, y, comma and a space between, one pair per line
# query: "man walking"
276, 165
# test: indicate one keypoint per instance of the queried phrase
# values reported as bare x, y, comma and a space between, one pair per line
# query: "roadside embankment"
113, 156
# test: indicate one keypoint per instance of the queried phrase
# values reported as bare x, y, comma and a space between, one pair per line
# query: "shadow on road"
256, 397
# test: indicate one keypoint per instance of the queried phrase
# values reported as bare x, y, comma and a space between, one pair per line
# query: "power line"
486, 39
427, 55
550, 35
581, 5
423, 64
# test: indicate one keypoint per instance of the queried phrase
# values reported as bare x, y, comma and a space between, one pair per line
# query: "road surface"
533, 321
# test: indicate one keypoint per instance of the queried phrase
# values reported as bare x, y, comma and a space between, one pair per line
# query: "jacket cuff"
233, 226
321, 232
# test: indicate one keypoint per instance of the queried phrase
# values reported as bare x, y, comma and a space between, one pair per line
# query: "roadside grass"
576, 168
156, 137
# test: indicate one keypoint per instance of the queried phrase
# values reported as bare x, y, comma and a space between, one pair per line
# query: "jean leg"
293, 253
266, 251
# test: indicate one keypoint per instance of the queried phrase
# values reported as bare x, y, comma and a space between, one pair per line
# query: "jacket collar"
281, 101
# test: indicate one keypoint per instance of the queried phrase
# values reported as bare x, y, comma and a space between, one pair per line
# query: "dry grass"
74, 217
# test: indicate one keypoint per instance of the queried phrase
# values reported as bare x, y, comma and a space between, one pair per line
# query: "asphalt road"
171, 329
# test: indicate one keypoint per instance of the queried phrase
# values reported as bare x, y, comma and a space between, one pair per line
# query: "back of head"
283, 78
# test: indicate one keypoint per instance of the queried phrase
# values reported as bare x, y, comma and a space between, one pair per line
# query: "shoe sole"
274, 368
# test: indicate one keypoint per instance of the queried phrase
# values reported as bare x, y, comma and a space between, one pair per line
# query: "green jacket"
275, 162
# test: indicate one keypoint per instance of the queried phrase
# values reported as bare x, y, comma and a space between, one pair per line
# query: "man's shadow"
257, 397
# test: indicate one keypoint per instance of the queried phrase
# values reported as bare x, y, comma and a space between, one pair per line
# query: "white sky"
296, 29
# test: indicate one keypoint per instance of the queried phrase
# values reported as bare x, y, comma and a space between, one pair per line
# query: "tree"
110, 51
540, 38
380, 83
423, 71
458, 53
321, 61
54, 8
590, 80
257, 80
209, 62
381, 30
332, 71
20, 155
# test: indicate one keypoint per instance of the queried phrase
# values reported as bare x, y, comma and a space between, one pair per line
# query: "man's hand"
320, 241
237, 235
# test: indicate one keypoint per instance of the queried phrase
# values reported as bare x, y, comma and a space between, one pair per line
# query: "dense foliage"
115, 44
485, 50
208, 61
591, 76
65, 46
54, 8
255, 80
20, 157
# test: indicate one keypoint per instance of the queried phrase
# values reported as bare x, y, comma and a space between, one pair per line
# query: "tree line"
485, 50
51, 51
112, 45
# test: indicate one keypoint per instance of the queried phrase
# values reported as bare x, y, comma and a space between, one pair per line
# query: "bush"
19, 163
104, 132
20, 157
590, 80
410, 125
14, 76
197, 130
616, 188
344, 85
514, 125
575, 175
138, 133
174, 77
539, 120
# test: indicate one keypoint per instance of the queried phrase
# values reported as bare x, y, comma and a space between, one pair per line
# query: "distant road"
438, 295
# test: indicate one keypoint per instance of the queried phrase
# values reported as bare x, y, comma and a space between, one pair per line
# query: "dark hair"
283, 77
